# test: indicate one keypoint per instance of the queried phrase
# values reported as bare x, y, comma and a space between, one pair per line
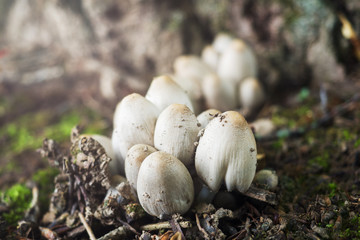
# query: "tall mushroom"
227, 153
164, 185
176, 132
135, 125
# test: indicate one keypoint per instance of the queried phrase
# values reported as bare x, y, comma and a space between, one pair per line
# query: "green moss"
321, 160
18, 198
45, 180
351, 229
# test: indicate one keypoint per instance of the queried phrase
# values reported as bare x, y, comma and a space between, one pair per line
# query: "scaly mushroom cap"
176, 132
251, 93
227, 152
136, 125
206, 116
164, 185
237, 62
164, 91
135, 156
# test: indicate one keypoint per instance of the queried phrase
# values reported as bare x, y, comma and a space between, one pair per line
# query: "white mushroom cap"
206, 116
221, 42
176, 132
237, 62
193, 89
164, 185
251, 93
219, 94
191, 66
135, 125
210, 56
164, 91
227, 152
135, 156
263, 127
117, 116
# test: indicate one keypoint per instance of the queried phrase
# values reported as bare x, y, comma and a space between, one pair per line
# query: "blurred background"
64, 63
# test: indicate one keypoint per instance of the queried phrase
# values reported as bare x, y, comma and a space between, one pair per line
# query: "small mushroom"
191, 66
227, 153
251, 94
263, 127
164, 91
135, 156
221, 42
266, 179
219, 94
176, 132
164, 185
210, 56
206, 116
135, 125
237, 62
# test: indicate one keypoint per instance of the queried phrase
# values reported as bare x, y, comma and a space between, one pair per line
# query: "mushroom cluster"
159, 138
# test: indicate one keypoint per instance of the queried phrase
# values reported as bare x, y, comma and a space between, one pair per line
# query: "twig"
206, 235
176, 227
118, 233
164, 225
128, 226
87, 227
261, 195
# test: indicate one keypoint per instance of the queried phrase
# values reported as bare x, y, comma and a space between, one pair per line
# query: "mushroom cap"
267, 179
210, 56
135, 156
237, 62
219, 94
251, 93
191, 66
227, 152
176, 132
263, 127
135, 125
221, 42
192, 88
164, 185
164, 91
206, 116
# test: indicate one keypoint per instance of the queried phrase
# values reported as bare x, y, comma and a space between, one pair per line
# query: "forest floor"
315, 153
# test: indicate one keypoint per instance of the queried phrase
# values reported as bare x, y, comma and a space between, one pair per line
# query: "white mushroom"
219, 94
136, 124
210, 56
164, 185
193, 89
227, 153
237, 62
263, 127
206, 116
221, 42
176, 132
164, 91
135, 156
191, 66
251, 94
